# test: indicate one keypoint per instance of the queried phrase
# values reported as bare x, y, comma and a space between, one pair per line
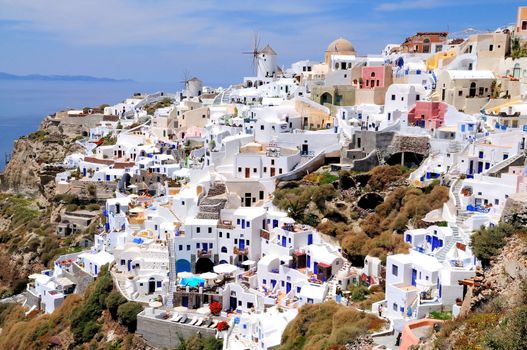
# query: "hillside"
328, 326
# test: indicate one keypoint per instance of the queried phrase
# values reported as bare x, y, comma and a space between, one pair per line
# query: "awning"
225, 268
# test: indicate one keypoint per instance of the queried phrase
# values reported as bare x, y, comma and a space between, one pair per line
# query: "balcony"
239, 251
204, 254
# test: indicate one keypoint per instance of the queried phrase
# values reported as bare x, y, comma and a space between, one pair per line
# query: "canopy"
184, 274
209, 275
225, 268
248, 262
137, 210
181, 309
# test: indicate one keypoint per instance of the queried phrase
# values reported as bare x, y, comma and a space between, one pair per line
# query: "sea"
25, 103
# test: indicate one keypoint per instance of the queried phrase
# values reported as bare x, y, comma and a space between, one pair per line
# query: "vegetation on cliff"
80, 322
327, 326
332, 204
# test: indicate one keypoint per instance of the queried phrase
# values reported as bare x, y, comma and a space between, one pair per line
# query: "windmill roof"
268, 50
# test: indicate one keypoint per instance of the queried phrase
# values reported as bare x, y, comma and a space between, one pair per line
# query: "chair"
214, 324
175, 317
199, 322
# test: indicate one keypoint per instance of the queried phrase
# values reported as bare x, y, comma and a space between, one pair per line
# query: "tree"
113, 301
127, 313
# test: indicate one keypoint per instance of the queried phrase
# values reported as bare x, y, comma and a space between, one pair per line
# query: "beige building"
341, 47
489, 49
521, 22
468, 91
313, 115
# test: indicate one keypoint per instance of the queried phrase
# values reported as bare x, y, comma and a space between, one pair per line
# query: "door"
184, 301
247, 173
241, 244
288, 287
233, 303
309, 239
471, 167
414, 276
308, 261
95, 269
247, 201
315, 268
151, 286
272, 172
284, 241
480, 167
443, 93
129, 265
435, 243
273, 283
305, 149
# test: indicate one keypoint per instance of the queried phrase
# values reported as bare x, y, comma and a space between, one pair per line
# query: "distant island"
7, 76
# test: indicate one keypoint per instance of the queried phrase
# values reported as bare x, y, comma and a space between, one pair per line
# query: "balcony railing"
204, 254
239, 251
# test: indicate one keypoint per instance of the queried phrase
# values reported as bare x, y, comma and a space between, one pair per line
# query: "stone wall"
414, 144
167, 334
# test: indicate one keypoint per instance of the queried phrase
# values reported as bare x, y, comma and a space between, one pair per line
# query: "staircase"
211, 205
332, 282
380, 156
172, 272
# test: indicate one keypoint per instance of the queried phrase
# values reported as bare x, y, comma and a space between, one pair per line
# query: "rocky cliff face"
26, 173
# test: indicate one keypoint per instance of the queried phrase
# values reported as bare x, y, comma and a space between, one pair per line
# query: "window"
393, 97
261, 195
261, 127
210, 230
272, 161
228, 235
198, 229
247, 242
224, 249
254, 170
123, 262
524, 25
417, 97
395, 270
197, 245
181, 247
265, 169
188, 247
491, 47
236, 241
460, 93
221, 234
394, 307
248, 224
239, 169
158, 284
497, 201
210, 245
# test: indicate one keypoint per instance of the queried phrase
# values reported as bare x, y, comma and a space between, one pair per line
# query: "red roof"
98, 161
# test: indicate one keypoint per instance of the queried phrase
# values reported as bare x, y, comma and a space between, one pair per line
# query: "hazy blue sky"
157, 40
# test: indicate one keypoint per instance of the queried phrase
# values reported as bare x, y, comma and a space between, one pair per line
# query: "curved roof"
268, 50
340, 45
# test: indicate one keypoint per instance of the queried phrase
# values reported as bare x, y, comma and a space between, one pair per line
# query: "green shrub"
486, 243
127, 313
113, 301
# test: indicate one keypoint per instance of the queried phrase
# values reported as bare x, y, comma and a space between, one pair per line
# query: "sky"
161, 40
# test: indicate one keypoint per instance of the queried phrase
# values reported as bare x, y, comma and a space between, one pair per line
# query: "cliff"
26, 172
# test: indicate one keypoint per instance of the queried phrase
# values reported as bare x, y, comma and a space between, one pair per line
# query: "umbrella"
248, 262
181, 309
132, 186
225, 268
155, 304
203, 311
137, 210
209, 275
184, 274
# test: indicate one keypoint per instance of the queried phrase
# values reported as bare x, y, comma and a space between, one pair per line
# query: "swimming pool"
192, 281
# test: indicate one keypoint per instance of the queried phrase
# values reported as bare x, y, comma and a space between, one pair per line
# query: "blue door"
273, 283
241, 243
243, 223
435, 243
284, 241
315, 267
184, 301
480, 167
414, 276
129, 265
309, 239
84, 172
182, 265
107, 177
288, 287
95, 268
233, 303
275, 223
308, 261
205, 247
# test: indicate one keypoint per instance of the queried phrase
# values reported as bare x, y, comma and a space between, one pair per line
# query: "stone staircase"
332, 282
211, 205
172, 274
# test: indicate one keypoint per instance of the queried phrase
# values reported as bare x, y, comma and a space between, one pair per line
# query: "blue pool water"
192, 281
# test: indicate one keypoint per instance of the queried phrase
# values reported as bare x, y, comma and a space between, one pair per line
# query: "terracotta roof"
110, 118
98, 161
123, 165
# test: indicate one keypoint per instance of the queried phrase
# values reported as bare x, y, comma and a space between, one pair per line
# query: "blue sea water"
24, 104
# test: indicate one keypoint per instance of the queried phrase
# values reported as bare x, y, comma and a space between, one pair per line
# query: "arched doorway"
183, 265
204, 265
472, 91
151, 285
326, 98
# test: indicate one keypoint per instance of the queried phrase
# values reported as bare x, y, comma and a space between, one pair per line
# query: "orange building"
521, 22
425, 42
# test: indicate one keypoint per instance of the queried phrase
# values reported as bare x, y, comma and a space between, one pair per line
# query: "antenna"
255, 51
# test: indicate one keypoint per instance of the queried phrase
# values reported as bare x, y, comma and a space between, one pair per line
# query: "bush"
222, 326
486, 243
113, 301
359, 293
215, 308
127, 313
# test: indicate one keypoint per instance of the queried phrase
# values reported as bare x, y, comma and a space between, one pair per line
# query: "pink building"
373, 77
428, 115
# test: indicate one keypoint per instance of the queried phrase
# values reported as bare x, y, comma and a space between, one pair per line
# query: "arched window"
224, 249
373, 74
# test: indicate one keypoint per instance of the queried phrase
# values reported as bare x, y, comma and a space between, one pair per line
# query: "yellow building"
439, 59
